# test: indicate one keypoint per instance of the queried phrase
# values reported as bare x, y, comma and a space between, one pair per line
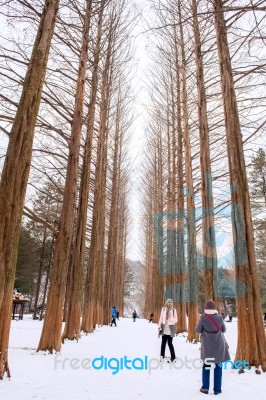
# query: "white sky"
142, 61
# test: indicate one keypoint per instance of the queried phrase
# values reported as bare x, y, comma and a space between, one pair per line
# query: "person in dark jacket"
134, 315
151, 317
114, 315
213, 345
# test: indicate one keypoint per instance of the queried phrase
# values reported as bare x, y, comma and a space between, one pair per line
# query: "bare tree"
251, 334
52, 327
190, 202
208, 234
16, 168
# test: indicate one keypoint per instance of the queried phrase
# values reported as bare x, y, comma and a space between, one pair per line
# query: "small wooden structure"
18, 308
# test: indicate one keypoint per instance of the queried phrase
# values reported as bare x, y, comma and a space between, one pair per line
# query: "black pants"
113, 322
169, 340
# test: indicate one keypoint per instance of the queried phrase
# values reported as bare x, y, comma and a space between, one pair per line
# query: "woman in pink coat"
167, 321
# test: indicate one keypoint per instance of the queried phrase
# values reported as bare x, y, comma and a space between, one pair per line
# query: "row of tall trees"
257, 180
208, 74
81, 118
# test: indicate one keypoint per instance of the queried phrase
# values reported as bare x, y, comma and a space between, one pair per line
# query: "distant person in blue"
114, 316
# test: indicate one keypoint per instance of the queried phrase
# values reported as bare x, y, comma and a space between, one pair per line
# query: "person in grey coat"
213, 345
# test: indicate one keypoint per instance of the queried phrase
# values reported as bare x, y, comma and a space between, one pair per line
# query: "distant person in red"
151, 317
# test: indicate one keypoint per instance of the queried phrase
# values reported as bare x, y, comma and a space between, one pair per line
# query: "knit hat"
169, 301
210, 305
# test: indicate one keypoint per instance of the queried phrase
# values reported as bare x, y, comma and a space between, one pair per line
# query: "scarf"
168, 309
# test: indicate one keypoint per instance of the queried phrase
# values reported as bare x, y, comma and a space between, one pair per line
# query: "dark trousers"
113, 322
167, 339
217, 377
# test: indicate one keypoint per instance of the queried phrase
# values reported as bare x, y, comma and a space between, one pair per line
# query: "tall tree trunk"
69, 287
181, 265
209, 253
158, 208
111, 256
149, 305
39, 279
52, 327
80, 241
251, 344
118, 286
171, 232
47, 279
191, 224
44, 295
94, 295
73, 315
16, 169
158, 263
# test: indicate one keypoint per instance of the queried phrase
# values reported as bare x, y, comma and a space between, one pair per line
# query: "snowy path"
34, 375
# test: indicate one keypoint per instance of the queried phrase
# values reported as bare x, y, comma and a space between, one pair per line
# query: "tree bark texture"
251, 344
16, 169
192, 301
52, 328
209, 253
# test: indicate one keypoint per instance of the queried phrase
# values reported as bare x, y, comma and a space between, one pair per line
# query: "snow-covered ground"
40, 376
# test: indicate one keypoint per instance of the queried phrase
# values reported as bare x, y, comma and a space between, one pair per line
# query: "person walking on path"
151, 318
114, 315
166, 328
134, 315
213, 345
